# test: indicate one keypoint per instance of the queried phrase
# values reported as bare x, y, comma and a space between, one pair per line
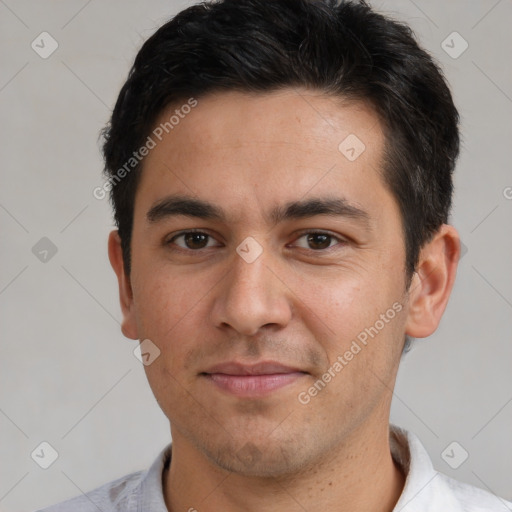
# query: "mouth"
251, 380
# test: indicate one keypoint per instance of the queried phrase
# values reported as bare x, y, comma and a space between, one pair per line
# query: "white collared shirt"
425, 490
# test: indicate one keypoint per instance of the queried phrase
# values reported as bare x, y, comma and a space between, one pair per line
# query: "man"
281, 180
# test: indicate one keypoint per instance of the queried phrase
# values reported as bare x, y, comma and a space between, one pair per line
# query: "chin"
259, 459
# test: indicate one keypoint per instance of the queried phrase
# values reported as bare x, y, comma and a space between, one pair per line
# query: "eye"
192, 240
319, 240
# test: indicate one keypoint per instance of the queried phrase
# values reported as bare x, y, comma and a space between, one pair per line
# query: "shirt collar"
424, 487
151, 497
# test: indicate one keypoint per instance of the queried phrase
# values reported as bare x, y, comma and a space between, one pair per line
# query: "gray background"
67, 374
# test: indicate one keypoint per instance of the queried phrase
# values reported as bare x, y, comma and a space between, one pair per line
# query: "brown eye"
318, 241
193, 240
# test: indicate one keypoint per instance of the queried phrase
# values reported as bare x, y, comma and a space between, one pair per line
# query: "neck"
359, 475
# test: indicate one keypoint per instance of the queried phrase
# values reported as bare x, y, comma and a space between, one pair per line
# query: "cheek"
335, 308
162, 300
357, 310
167, 310
339, 308
173, 308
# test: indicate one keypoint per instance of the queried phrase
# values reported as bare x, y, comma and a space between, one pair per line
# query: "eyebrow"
188, 206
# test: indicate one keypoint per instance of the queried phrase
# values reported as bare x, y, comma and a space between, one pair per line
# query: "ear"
115, 255
432, 282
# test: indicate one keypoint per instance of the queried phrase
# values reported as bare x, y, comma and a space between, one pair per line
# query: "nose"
252, 296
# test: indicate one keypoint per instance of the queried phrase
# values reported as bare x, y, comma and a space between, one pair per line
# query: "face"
268, 267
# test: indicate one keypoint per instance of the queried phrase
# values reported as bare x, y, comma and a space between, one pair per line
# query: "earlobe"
115, 255
433, 281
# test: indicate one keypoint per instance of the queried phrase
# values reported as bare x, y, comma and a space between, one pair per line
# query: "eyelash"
341, 241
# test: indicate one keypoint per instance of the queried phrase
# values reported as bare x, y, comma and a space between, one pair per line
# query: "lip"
262, 368
254, 380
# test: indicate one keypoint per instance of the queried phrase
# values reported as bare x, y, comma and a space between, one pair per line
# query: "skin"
302, 302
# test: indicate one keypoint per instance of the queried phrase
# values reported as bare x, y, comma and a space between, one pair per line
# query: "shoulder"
429, 490
113, 496
470, 498
131, 493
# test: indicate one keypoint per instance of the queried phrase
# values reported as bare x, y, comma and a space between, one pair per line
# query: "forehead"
248, 149
305, 118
